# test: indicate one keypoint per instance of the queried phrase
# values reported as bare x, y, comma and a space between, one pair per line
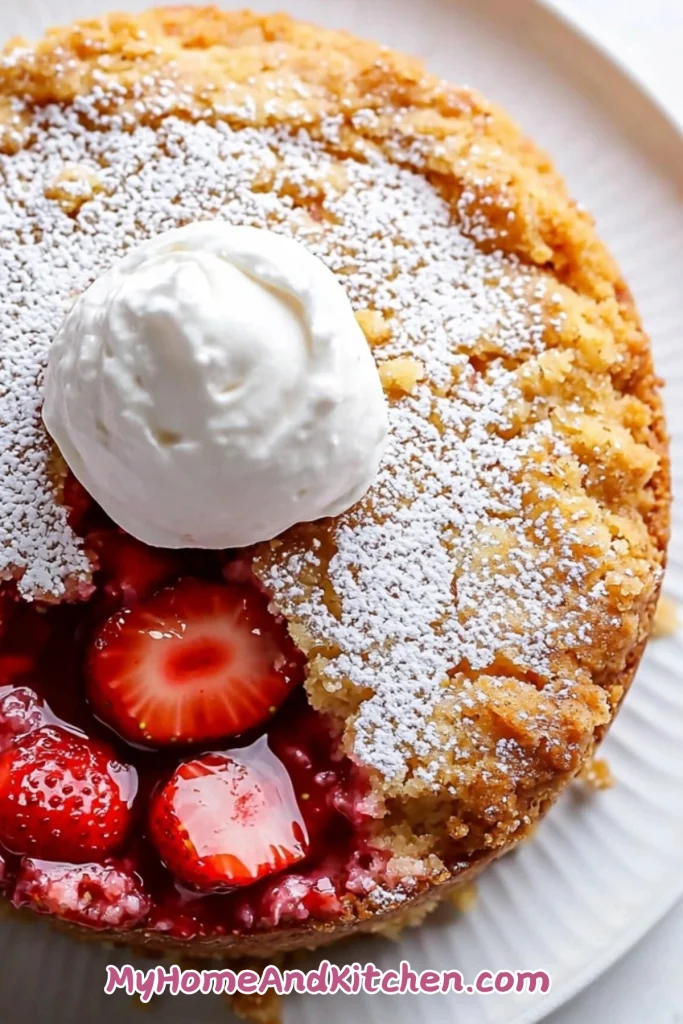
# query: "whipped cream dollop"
214, 388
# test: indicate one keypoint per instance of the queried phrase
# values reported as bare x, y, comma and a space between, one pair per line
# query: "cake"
450, 651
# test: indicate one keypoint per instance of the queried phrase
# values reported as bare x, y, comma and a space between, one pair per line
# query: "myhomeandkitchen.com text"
326, 979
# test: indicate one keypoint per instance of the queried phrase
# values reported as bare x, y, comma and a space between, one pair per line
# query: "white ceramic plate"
603, 868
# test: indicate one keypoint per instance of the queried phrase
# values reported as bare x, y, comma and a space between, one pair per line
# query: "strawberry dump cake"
295, 640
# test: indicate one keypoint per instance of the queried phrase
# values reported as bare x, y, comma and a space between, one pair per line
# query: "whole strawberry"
63, 797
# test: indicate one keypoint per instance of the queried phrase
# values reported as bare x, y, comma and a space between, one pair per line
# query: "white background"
646, 987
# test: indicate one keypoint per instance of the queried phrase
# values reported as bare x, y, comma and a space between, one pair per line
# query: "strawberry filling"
160, 767
94, 895
20, 712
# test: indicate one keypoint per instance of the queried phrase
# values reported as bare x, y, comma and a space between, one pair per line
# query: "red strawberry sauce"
43, 650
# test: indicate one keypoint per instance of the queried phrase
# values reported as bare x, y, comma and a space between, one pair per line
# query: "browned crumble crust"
265, 1009
596, 774
505, 733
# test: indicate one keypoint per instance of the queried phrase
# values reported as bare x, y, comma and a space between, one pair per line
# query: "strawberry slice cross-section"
195, 662
228, 819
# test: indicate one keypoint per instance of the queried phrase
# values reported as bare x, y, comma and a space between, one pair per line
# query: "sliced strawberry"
63, 797
195, 662
21, 711
228, 819
132, 571
94, 895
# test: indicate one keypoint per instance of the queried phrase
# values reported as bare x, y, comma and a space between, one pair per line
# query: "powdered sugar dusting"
441, 568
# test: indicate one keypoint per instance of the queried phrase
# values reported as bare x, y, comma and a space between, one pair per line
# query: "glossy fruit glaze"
306, 854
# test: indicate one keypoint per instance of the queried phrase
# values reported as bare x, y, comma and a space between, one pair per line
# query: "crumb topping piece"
667, 617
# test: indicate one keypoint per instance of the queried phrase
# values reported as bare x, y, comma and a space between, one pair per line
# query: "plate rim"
587, 30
